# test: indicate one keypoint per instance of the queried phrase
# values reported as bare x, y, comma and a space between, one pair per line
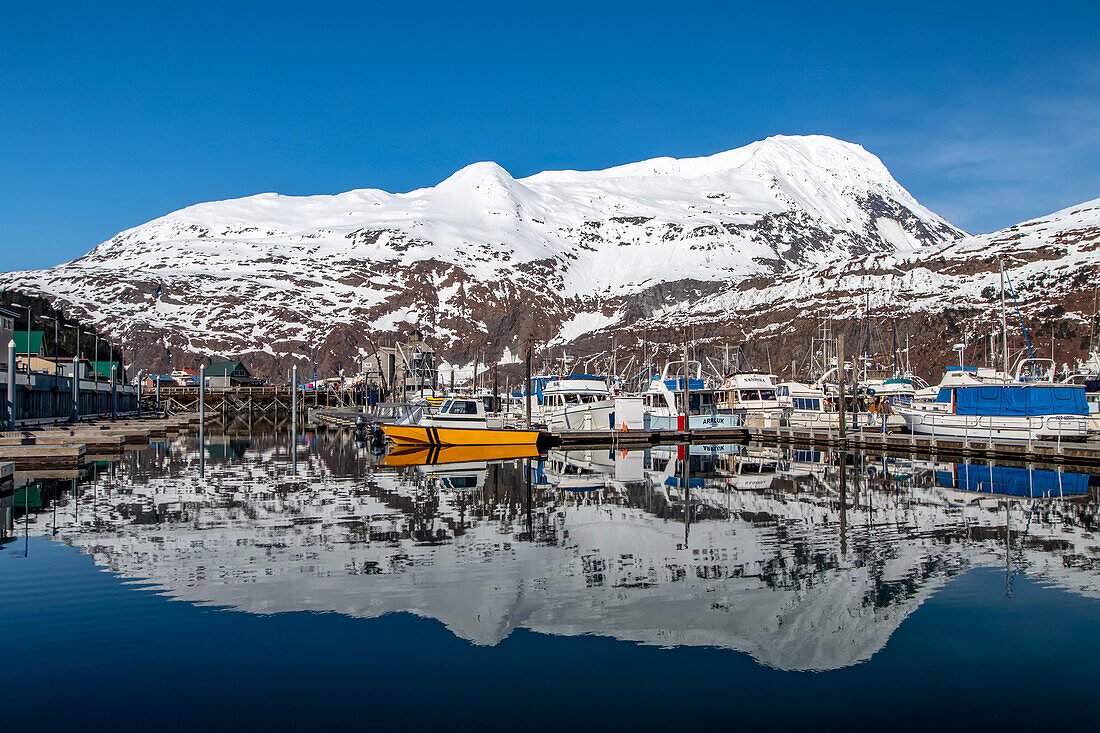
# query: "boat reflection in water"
804, 559
1030, 483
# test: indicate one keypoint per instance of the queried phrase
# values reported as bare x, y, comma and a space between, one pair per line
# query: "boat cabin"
750, 392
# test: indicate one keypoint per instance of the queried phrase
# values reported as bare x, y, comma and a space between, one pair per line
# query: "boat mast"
1004, 321
687, 395
1092, 336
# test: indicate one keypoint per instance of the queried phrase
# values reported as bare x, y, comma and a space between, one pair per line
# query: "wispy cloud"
990, 161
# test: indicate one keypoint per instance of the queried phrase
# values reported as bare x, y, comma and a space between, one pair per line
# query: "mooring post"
202, 400
843, 503
140, 372
114, 392
202, 420
840, 379
294, 417
10, 399
156, 379
527, 382
76, 389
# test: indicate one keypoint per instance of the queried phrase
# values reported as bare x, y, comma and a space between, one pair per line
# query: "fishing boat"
577, 403
753, 397
808, 406
663, 401
388, 413
420, 435
461, 421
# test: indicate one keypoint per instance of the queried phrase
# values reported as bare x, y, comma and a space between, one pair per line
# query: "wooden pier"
62, 456
580, 439
260, 402
1083, 453
64, 449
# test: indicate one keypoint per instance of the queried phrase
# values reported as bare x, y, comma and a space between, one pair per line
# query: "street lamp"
56, 351
77, 328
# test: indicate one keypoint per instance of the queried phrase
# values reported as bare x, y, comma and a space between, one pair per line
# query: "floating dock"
67, 455
62, 450
1086, 453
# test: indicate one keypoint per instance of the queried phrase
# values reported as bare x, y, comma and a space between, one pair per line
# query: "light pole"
76, 327
27, 308
56, 351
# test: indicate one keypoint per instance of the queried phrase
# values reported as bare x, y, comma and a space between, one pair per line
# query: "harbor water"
274, 582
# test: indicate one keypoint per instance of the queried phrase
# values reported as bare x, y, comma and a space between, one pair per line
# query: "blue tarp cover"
1018, 400
677, 385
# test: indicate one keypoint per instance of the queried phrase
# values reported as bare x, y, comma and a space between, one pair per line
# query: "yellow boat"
434, 455
427, 436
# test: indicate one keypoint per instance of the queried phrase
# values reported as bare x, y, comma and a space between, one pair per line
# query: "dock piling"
76, 390
114, 392
10, 399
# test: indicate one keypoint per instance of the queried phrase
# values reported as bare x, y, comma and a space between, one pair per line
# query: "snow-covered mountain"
483, 256
935, 295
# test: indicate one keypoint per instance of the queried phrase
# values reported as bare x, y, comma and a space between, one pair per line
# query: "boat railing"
986, 427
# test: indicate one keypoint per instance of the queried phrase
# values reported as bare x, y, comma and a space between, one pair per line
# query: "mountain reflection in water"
804, 559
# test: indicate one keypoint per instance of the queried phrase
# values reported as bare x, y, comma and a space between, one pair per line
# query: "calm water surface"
714, 585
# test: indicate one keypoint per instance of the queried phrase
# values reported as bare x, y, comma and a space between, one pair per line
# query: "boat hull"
1001, 427
595, 416
716, 421
422, 435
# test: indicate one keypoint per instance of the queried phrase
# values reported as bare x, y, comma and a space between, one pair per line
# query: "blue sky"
113, 114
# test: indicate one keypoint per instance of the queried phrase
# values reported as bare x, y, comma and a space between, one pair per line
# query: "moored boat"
577, 403
664, 401
970, 405
422, 435
461, 421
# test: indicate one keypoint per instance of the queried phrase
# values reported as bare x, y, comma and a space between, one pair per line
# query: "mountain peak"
478, 175
462, 257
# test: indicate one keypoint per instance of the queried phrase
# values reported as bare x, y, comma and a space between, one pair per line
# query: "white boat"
663, 401
808, 406
1087, 374
577, 404
753, 397
972, 403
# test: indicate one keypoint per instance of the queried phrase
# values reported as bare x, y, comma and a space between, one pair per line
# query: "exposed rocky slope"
936, 296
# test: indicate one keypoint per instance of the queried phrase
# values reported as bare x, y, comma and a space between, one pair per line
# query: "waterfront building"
228, 374
103, 369
36, 347
403, 369
150, 381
